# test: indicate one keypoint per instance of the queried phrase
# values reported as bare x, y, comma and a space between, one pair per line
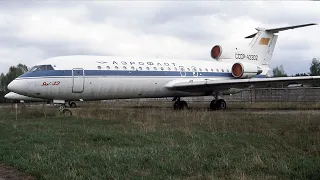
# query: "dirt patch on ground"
9, 173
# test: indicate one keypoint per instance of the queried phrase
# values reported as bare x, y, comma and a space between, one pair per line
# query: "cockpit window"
41, 68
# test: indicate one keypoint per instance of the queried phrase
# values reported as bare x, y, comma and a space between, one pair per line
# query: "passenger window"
155, 68
116, 67
162, 68
169, 69
175, 68
206, 69
132, 67
188, 69
108, 67
99, 67
140, 68
124, 67
200, 69
148, 68
222, 70
217, 70
211, 70
227, 70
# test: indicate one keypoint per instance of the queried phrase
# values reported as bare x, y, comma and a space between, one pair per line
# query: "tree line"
314, 71
5, 79
15, 71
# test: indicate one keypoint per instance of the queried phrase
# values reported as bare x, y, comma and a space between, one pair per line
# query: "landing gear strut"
64, 111
218, 104
179, 105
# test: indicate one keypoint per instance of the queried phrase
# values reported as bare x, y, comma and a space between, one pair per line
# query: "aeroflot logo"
137, 63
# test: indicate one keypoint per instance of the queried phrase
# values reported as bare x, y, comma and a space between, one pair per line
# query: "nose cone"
7, 96
13, 86
10, 95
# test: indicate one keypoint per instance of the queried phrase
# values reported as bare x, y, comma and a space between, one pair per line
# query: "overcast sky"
32, 31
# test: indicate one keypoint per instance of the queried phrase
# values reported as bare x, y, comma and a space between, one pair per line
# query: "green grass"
159, 143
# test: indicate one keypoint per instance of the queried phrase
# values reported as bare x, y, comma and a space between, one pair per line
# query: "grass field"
159, 143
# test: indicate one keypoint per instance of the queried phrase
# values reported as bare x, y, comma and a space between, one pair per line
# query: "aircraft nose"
13, 85
7, 96
10, 95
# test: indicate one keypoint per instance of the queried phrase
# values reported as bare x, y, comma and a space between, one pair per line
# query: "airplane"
87, 78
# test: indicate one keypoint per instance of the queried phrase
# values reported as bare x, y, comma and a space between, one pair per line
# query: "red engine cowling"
240, 70
217, 53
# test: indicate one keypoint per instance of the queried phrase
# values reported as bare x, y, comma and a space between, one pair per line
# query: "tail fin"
264, 41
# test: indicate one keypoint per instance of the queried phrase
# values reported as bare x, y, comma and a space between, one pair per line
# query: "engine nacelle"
217, 53
240, 70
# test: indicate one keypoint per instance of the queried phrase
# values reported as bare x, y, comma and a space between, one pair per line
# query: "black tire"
176, 105
180, 105
184, 105
66, 112
213, 105
73, 105
221, 104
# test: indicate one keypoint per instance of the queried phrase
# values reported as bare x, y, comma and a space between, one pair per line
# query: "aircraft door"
78, 80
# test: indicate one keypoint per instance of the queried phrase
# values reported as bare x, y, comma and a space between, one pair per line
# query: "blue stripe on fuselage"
64, 73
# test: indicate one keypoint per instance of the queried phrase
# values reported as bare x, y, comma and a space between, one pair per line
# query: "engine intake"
240, 70
217, 53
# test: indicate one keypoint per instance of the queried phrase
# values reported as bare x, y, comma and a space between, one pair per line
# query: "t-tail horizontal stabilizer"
276, 30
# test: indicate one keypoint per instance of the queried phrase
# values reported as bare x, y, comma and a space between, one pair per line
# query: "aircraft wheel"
180, 105
218, 105
66, 112
213, 105
73, 105
62, 106
221, 104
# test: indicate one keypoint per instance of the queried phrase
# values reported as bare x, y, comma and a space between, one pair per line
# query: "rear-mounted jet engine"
241, 70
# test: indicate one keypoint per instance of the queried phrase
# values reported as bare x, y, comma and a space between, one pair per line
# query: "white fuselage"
106, 77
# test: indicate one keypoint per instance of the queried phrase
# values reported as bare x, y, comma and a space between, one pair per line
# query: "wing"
209, 85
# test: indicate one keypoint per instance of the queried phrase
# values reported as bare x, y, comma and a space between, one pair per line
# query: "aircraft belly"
124, 87
128, 87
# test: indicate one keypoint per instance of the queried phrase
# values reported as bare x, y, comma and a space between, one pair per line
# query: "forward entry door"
78, 80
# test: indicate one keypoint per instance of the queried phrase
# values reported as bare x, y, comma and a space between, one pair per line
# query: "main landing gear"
179, 105
216, 104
